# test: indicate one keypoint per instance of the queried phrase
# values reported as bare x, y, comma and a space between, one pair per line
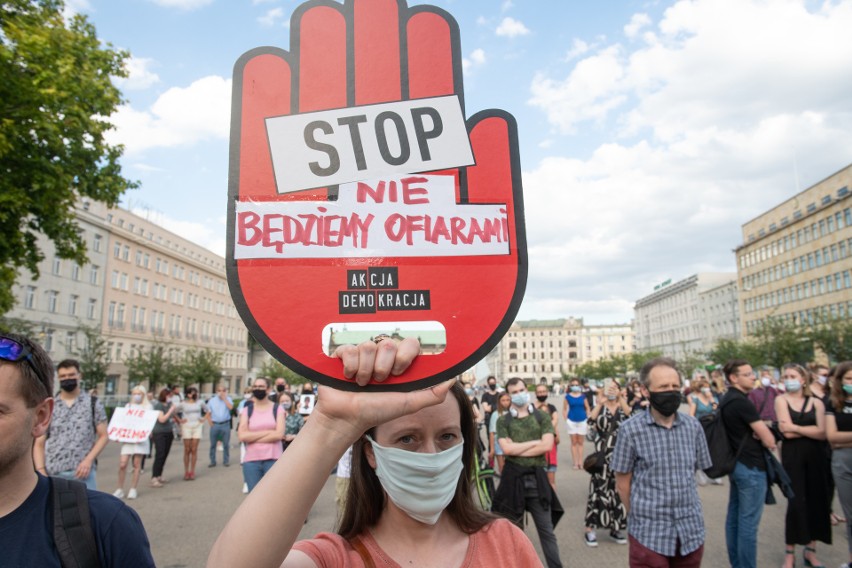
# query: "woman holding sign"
402, 441
138, 401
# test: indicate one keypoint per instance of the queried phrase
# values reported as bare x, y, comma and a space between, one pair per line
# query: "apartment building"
543, 351
65, 295
795, 262
671, 320
143, 284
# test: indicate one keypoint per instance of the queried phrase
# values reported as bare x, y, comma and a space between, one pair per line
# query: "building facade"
671, 320
795, 262
143, 285
544, 351
720, 313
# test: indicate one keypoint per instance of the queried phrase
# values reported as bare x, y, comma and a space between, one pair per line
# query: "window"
94, 274
52, 300
114, 279
90, 309
96, 244
29, 297
119, 314
48, 340
826, 200
811, 207
116, 250
75, 272
72, 305
125, 281
111, 314
125, 253
57, 265
70, 341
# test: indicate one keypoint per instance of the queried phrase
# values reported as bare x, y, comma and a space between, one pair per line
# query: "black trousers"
162, 446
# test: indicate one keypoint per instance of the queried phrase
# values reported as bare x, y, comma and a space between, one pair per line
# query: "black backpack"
72, 526
722, 456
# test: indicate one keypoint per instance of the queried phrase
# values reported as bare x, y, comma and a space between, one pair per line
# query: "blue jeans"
745, 506
91, 481
254, 471
220, 432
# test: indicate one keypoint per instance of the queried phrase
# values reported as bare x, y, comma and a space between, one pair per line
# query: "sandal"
791, 553
808, 563
836, 519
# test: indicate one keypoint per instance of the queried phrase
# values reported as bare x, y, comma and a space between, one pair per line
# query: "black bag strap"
72, 525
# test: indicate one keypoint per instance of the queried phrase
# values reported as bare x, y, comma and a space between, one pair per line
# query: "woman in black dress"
604, 509
801, 419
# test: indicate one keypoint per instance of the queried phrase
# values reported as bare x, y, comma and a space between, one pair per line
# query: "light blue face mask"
792, 385
520, 399
420, 484
847, 389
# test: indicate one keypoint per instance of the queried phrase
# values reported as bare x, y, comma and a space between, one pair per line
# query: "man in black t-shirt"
27, 533
489, 398
747, 431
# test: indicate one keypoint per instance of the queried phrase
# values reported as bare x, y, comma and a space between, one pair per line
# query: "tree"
93, 355
156, 364
16, 325
780, 343
56, 95
728, 349
200, 366
833, 336
274, 369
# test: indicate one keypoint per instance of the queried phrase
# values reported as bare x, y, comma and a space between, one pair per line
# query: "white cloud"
475, 59
506, 5
707, 120
637, 22
272, 17
182, 4
511, 27
578, 48
139, 76
208, 234
179, 117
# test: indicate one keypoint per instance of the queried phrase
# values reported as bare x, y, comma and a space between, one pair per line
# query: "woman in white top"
138, 400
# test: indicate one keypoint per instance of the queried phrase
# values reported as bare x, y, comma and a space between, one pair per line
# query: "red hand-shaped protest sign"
351, 156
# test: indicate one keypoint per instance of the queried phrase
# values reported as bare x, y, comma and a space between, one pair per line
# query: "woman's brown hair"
365, 498
838, 396
164, 394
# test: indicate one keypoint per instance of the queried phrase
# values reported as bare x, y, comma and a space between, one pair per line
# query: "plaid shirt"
664, 503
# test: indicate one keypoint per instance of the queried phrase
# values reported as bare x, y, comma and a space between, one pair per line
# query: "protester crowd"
785, 427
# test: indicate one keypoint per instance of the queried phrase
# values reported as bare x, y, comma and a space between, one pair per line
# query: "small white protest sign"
332, 147
131, 425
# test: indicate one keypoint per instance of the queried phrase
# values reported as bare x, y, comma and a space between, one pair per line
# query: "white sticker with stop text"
332, 147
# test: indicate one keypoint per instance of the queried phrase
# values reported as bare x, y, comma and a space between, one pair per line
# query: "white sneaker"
717, 481
132, 494
119, 493
245, 487
591, 539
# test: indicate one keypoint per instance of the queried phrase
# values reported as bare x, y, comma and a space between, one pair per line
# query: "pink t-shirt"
499, 543
262, 420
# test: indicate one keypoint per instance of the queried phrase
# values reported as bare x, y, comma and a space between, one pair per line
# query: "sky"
650, 131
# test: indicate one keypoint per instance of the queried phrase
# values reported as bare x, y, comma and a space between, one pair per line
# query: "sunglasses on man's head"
12, 351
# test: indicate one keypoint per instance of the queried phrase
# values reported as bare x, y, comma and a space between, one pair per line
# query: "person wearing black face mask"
280, 387
655, 458
261, 429
489, 398
191, 412
551, 457
77, 433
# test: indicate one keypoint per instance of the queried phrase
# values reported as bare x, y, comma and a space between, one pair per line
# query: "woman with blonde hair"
138, 401
801, 420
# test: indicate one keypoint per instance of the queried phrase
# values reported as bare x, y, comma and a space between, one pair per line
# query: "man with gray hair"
655, 459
